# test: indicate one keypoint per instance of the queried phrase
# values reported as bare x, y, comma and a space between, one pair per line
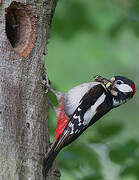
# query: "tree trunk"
24, 136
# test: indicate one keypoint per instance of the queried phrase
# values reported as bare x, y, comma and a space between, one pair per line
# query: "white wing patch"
92, 110
72, 127
79, 109
124, 88
79, 119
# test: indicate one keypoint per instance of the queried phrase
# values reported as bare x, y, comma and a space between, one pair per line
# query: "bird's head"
120, 88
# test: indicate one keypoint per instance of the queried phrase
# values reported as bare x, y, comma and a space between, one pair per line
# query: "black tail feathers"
48, 162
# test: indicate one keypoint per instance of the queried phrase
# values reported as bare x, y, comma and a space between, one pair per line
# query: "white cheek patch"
124, 88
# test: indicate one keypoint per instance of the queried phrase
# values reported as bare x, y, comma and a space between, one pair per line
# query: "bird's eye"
119, 82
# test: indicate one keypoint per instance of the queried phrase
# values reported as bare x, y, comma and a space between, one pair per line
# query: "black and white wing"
85, 115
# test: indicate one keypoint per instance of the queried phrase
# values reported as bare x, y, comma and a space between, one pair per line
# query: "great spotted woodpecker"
82, 106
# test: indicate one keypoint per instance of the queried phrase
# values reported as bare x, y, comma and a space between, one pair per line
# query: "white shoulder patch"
124, 88
92, 110
73, 96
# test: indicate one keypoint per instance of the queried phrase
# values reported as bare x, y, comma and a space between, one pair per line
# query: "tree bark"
24, 135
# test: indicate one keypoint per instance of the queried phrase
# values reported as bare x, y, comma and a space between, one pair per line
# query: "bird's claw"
46, 83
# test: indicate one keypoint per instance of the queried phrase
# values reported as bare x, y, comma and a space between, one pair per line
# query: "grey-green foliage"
89, 38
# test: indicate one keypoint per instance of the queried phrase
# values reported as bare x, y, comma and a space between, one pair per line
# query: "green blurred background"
88, 38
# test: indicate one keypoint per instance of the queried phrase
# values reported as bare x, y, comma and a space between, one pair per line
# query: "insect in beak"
107, 83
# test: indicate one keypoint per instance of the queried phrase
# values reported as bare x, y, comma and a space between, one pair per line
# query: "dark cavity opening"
20, 28
12, 26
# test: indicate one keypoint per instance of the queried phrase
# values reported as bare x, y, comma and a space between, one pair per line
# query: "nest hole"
12, 27
20, 28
